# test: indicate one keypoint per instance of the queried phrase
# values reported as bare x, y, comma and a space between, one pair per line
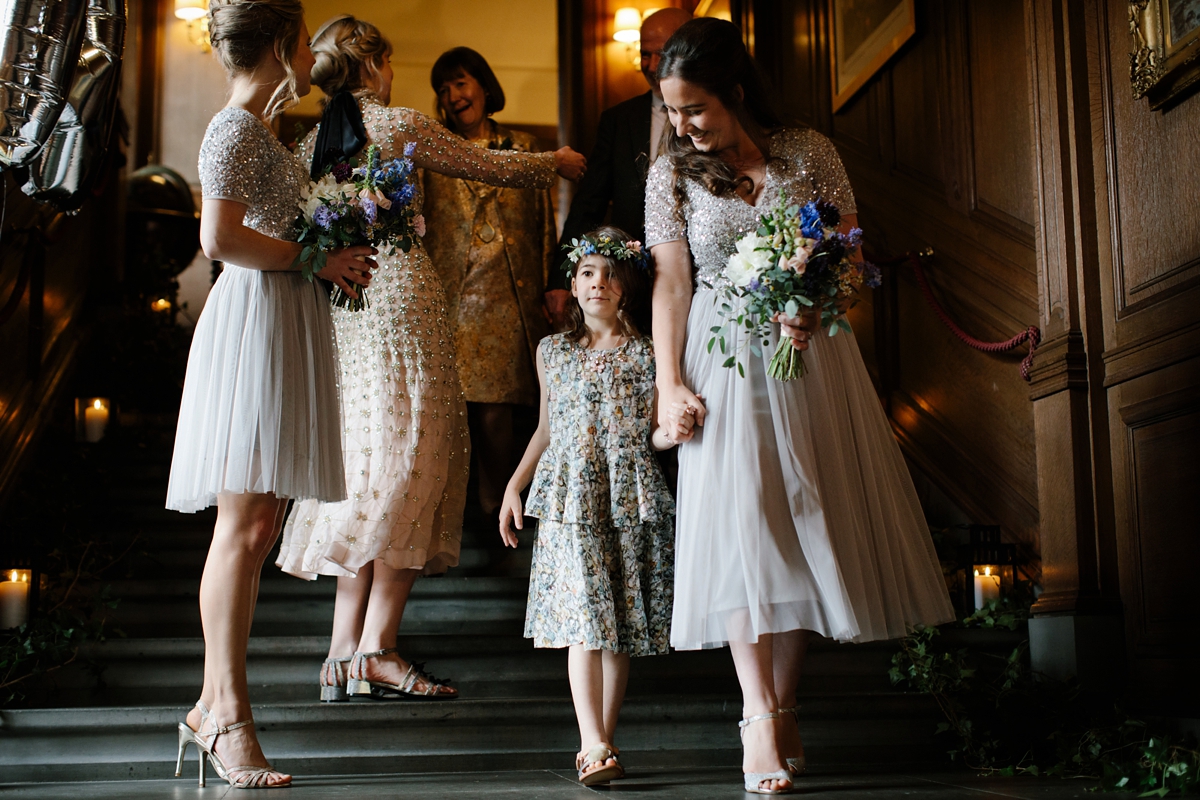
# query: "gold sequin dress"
260, 400
795, 509
493, 248
404, 424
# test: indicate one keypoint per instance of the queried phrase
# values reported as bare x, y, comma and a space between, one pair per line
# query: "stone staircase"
515, 710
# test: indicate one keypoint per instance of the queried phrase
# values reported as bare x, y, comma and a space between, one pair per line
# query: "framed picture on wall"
1164, 65
864, 34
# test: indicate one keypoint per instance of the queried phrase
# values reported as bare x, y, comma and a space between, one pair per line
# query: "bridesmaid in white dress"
796, 511
258, 421
404, 416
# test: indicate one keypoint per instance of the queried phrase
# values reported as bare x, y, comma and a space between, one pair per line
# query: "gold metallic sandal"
592, 767
797, 766
333, 680
359, 686
237, 777
752, 780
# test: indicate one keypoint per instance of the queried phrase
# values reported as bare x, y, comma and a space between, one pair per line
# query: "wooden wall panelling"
1148, 289
1156, 436
1065, 378
906, 140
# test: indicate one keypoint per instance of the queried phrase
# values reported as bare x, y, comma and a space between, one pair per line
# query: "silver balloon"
73, 157
39, 47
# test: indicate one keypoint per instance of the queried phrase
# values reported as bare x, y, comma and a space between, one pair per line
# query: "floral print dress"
603, 562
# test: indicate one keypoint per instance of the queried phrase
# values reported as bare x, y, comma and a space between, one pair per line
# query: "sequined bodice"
439, 150
241, 160
804, 165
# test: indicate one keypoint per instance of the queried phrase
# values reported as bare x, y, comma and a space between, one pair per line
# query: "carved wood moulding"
1164, 64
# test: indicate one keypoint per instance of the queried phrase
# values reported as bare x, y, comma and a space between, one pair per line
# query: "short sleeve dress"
260, 398
604, 555
795, 507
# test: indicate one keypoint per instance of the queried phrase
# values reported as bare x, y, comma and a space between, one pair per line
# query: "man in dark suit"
626, 145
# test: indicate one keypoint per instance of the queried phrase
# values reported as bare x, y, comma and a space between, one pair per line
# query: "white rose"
739, 270
760, 259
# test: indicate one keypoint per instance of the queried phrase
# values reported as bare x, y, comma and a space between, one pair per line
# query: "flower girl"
601, 582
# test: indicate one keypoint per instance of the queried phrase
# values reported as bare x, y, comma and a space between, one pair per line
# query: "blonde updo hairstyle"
243, 31
342, 46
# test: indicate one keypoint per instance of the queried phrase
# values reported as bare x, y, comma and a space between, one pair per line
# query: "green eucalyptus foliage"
1003, 719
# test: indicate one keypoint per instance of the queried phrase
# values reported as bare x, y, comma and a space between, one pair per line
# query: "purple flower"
324, 217
872, 276
830, 216
369, 209
409, 149
754, 285
341, 172
854, 238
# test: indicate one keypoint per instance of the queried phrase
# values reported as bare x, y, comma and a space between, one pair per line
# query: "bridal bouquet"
367, 203
795, 262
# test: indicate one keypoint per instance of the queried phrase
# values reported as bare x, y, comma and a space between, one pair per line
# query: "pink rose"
419, 225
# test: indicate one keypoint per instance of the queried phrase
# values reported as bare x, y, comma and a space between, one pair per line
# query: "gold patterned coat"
493, 248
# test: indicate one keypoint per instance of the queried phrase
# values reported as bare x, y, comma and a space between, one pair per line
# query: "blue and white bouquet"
795, 262
367, 203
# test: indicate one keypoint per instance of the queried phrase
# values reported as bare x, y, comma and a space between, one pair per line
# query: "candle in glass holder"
987, 587
14, 599
95, 419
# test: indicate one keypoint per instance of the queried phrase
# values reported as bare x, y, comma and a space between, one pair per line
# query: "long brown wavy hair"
635, 284
709, 53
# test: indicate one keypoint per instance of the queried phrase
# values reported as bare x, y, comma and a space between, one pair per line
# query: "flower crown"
605, 246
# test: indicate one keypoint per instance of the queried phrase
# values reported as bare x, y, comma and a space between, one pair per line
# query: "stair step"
389, 738
284, 669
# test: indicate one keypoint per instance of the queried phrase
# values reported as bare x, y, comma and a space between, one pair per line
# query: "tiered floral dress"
604, 557
404, 425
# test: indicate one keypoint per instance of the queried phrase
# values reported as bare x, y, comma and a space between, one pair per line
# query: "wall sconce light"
627, 29
195, 14
91, 418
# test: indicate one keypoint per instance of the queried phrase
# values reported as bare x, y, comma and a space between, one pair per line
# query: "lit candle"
95, 418
14, 599
987, 587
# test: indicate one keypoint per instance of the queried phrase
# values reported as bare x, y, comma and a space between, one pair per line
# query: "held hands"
679, 412
569, 164
348, 267
511, 513
799, 329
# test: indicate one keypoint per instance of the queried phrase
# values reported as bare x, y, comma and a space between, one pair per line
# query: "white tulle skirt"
795, 507
260, 400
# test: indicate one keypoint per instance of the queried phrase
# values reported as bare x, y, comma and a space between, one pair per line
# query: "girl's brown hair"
634, 282
709, 53
243, 31
342, 46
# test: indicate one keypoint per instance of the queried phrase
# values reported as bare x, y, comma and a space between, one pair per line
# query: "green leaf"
792, 309
741, 371
729, 362
712, 341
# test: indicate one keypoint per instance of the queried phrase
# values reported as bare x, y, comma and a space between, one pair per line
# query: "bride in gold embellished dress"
404, 427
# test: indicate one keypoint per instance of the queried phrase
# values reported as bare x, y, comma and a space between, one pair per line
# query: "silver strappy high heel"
753, 779
237, 777
357, 684
797, 766
332, 669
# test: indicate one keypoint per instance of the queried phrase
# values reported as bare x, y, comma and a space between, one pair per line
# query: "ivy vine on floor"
1005, 720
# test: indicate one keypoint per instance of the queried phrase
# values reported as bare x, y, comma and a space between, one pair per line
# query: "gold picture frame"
1164, 63
863, 35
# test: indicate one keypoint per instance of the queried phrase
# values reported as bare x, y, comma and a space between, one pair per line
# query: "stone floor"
659, 784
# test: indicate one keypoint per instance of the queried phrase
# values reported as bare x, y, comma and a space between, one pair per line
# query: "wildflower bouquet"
794, 263
367, 203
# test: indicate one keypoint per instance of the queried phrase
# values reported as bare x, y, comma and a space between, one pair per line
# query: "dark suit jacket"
616, 174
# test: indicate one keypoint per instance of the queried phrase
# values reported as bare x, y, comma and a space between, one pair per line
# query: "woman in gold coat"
494, 248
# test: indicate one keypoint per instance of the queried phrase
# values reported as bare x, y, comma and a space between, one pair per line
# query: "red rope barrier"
1032, 334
